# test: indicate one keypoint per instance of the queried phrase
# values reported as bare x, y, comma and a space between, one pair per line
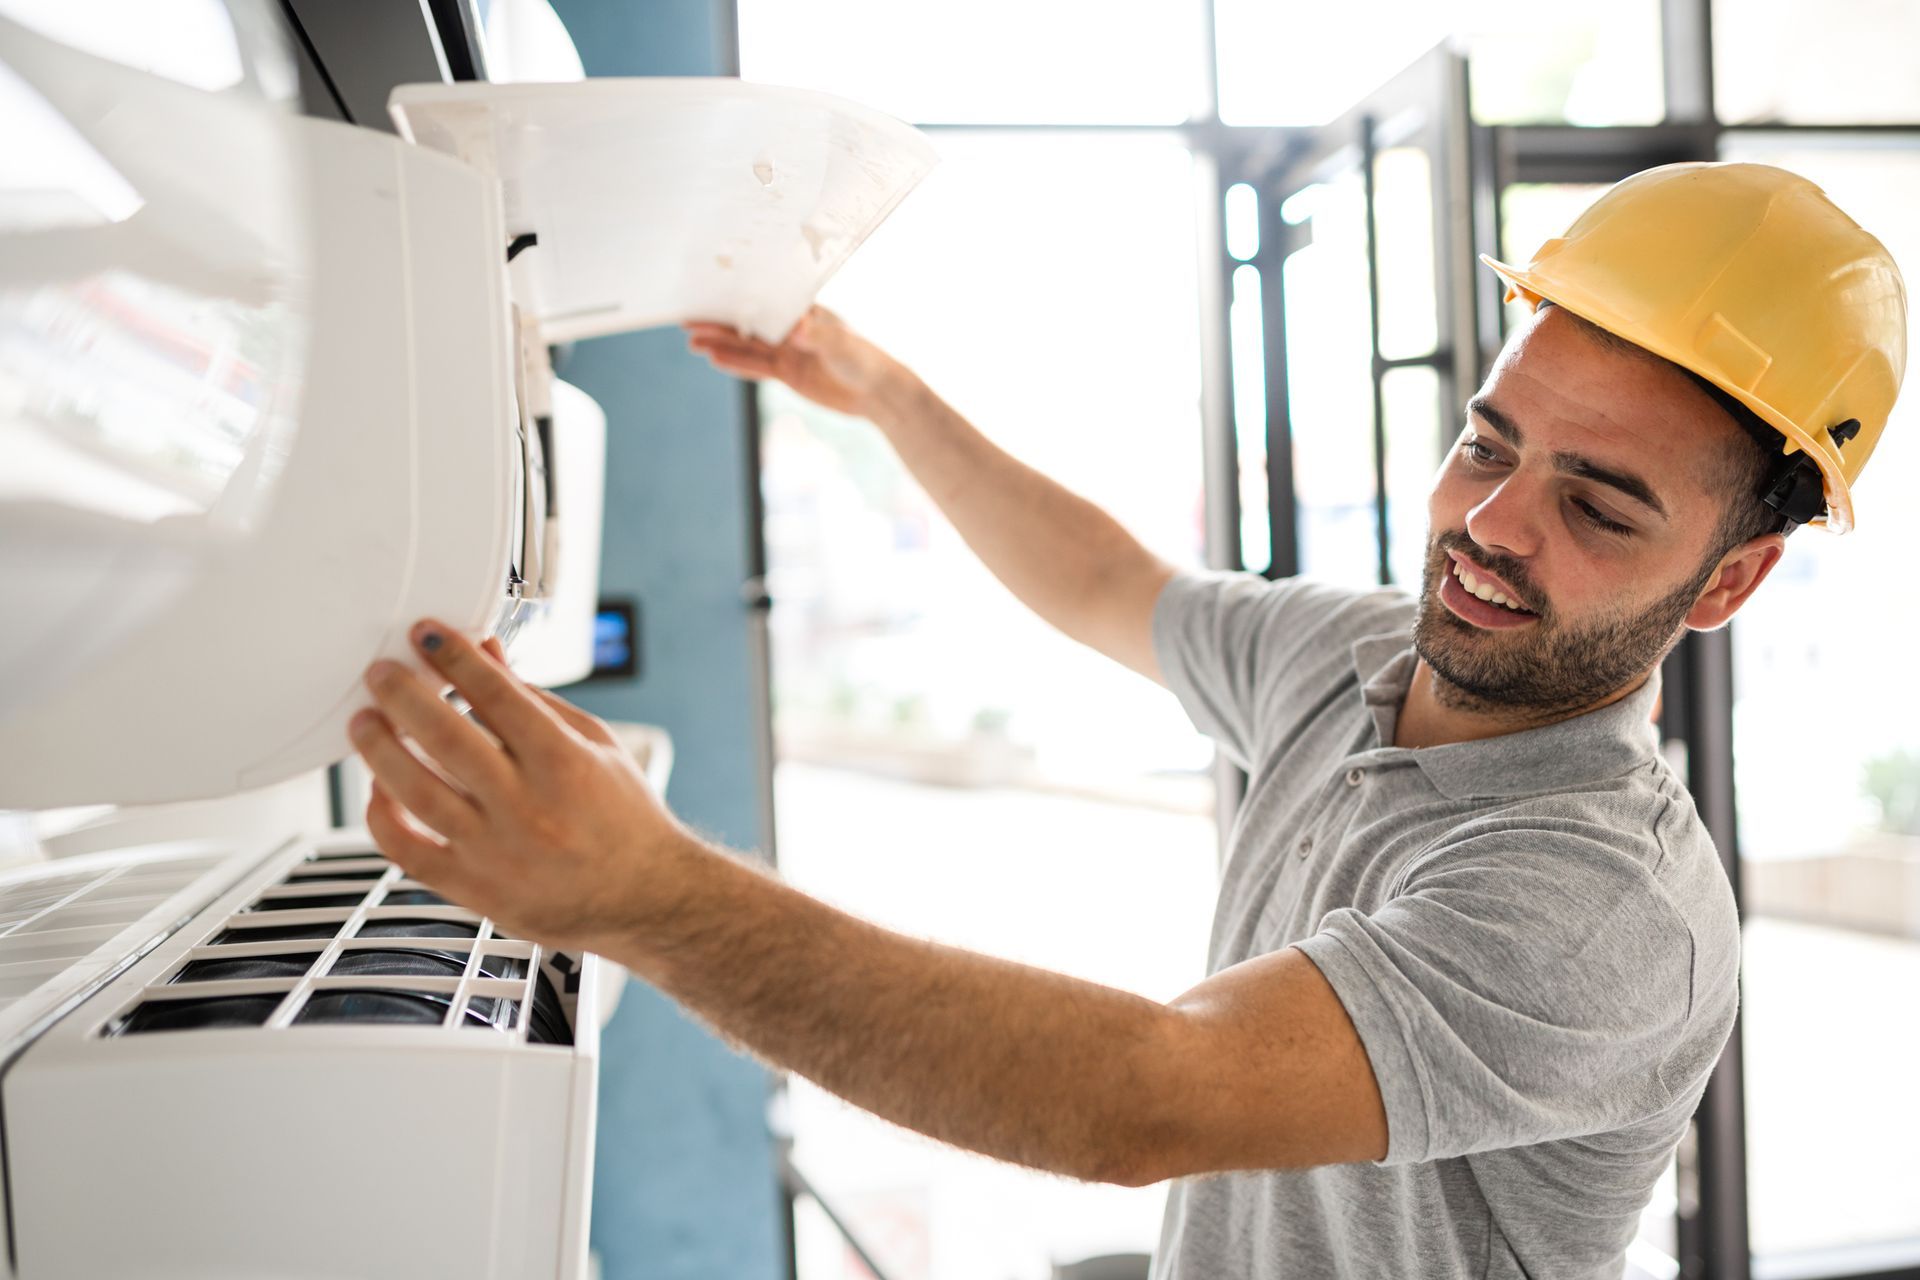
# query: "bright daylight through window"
1024, 797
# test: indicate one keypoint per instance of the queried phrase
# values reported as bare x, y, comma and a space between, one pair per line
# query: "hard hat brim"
1534, 288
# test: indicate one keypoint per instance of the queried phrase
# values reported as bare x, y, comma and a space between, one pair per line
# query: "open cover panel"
652, 201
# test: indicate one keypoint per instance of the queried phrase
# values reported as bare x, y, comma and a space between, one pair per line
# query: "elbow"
1142, 1147
1116, 1165
1133, 1116
1133, 1173
1146, 1154
1155, 1130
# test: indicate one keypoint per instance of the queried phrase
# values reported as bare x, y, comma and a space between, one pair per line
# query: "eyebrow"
1573, 464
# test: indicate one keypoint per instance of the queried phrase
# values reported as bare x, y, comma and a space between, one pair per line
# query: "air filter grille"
344, 938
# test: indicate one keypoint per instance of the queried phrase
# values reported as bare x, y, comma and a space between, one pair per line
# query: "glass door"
1368, 299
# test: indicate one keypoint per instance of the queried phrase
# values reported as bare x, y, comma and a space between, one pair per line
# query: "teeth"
1484, 590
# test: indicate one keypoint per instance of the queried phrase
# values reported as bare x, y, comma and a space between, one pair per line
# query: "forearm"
1019, 1063
1062, 556
544, 823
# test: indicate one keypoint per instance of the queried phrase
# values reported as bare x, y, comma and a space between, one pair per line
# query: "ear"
1740, 571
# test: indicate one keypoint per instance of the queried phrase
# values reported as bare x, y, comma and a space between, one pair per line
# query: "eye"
1592, 516
1477, 454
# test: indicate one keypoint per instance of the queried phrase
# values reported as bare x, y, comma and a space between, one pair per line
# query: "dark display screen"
616, 639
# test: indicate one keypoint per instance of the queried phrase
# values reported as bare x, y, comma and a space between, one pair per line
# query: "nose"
1508, 519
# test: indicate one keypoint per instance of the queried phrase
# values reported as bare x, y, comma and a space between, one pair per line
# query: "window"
1303, 64
988, 62
1827, 766
1837, 62
949, 765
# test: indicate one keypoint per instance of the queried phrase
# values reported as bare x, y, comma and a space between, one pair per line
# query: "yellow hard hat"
1753, 279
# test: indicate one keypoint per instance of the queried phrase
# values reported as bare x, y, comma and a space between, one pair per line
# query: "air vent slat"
51, 921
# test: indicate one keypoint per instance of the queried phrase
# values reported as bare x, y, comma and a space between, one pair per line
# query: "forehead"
1569, 389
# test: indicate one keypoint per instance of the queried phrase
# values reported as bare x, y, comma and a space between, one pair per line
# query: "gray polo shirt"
1532, 934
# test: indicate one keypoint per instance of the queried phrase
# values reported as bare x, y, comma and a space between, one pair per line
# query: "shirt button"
1306, 845
1354, 776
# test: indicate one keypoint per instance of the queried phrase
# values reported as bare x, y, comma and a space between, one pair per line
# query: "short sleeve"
1230, 644
1525, 986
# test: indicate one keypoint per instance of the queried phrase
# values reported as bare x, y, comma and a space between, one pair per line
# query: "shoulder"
1621, 871
1307, 610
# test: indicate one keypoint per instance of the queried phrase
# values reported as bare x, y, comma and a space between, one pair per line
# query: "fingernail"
362, 726
428, 637
381, 674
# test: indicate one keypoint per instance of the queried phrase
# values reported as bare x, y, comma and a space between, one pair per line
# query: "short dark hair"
1748, 468
1748, 472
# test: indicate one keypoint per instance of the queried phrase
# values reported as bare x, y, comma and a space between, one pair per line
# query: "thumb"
802, 337
817, 328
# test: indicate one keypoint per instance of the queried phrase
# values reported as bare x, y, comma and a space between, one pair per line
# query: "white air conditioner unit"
271, 389
301, 1064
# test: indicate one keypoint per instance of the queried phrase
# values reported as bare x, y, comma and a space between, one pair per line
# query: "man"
1474, 955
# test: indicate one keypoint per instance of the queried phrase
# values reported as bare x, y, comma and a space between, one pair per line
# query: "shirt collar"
1609, 742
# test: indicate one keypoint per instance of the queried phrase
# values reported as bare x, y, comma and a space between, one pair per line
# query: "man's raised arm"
1066, 559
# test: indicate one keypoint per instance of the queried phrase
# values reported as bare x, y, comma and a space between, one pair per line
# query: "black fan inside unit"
547, 1026
414, 898
223, 969
307, 875
312, 900
280, 932
546, 1022
199, 1015
418, 929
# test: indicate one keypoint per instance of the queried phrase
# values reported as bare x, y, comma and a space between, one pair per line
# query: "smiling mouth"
1486, 591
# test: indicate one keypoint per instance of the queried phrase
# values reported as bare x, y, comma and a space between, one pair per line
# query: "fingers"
744, 357
809, 329
511, 711
419, 855
587, 725
409, 849
813, 322
402, 774
703, 337
719, 338
453, 742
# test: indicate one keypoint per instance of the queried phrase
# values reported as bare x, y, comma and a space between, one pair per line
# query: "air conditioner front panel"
145, 1138
307, 1159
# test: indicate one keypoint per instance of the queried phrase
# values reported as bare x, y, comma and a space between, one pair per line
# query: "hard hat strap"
1795, 489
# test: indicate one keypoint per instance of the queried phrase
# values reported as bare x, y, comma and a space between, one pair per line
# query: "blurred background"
1211, 264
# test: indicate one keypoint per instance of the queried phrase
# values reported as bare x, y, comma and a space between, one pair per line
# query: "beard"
1549, 669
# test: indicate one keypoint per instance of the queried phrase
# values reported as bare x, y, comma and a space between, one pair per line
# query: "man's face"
1585, 489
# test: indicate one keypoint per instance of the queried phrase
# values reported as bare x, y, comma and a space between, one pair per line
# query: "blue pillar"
684, 1182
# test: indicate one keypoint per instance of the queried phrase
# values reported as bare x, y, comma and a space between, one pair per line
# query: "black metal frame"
1425, 106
